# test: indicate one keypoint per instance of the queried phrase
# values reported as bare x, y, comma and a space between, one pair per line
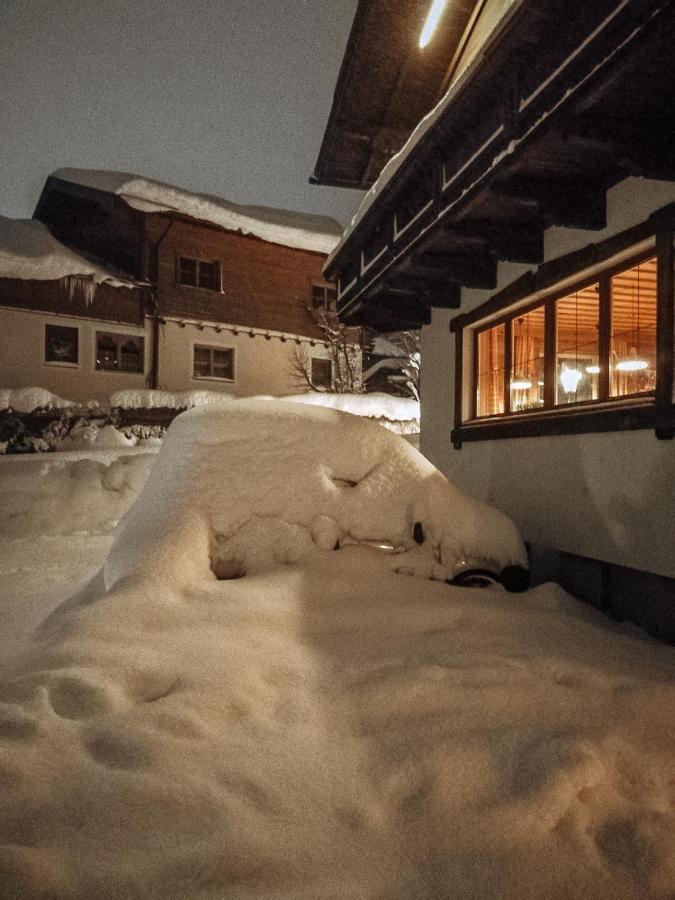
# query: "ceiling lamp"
569, 379
521, 384
431, 22
632, 363
593, 370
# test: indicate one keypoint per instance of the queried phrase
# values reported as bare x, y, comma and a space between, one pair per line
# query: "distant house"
159, 287
526, 223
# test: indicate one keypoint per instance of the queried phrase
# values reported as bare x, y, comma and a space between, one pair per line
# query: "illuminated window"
633, 344
527, 361
490, 371
577, 352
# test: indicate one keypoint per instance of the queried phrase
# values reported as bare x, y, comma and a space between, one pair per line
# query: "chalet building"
525, 221
123, 282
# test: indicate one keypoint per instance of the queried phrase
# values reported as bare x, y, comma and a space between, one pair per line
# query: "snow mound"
29, 399
293, 229
29, 251
155, 399
260, 484
329, 729
374, 406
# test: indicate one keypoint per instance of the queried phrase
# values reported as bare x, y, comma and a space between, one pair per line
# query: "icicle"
77, 287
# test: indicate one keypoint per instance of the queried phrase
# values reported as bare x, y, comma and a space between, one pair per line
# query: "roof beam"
479, 270
394, 312
439, 292
644, 148
567, 204
509, 241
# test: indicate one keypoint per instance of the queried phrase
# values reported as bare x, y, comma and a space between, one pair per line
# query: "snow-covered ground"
324, 725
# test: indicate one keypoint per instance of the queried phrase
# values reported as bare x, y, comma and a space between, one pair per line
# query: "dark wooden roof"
386, 84
569, 100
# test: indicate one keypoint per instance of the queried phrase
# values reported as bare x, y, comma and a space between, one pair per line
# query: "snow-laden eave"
414, 147
303, 231
30, 252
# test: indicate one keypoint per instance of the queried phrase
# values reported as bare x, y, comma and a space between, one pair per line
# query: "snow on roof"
279, 226
29, 251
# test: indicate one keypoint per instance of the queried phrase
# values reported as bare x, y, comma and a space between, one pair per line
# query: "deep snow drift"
326, 727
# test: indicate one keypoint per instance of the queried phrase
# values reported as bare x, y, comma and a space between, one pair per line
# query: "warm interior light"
632, 365
432, 21
569, 379
593, 370
521, 384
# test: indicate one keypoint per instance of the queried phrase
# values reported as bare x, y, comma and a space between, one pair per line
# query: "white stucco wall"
22, 341
606, 496
261, 365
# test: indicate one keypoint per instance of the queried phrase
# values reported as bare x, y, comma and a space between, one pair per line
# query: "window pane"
490, 382
60, 344
131, 355
577, 346
106, 351
202, 362
633, 347
318, 296
187, 271
527, 355
209, 275
321, 372
223, 364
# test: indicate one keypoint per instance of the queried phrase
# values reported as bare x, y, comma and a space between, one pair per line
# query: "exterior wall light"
431, 23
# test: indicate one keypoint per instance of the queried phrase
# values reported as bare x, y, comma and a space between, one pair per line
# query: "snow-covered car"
256, 484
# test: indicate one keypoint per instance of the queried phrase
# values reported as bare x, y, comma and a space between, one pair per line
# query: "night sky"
229, 97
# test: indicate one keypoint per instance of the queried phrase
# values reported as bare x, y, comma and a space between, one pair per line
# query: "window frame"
198, 345
322, 359
120, 337
56, 362
328, 305
198, 261
596, 264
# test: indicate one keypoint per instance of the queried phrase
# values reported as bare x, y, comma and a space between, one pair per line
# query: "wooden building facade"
213, 308
527, 225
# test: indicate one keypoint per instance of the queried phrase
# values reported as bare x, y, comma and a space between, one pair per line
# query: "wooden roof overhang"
375, 107
564, 102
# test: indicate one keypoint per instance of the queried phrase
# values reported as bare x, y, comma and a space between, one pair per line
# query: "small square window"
213, 362
324, 297
61, 344
199, 273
